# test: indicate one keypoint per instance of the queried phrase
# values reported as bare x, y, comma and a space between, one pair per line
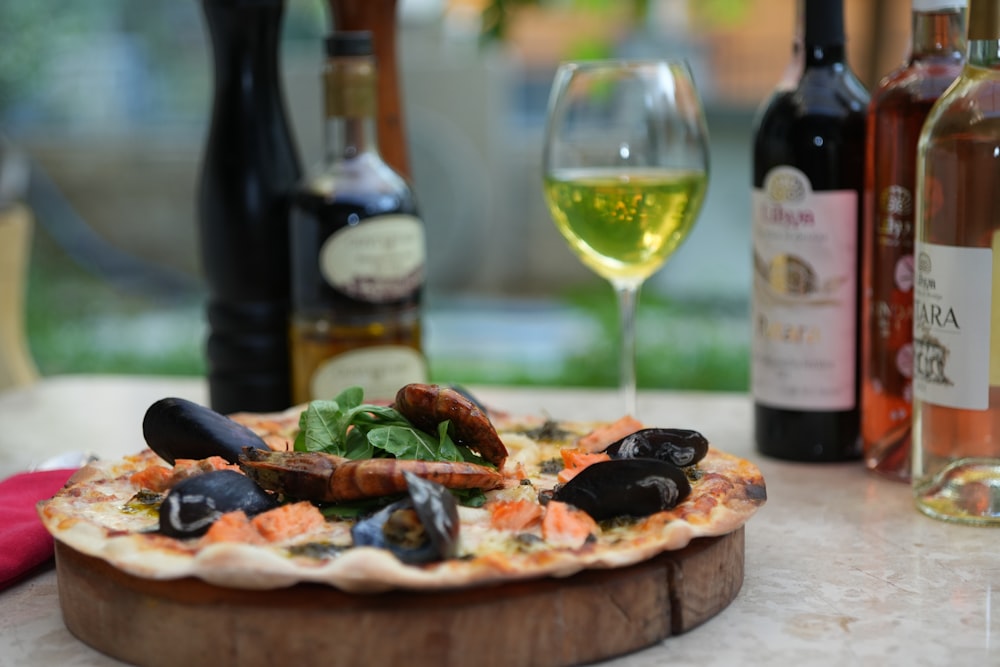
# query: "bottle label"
380, 370
895, 217
804, 311
891, 290
378, 260
951, 325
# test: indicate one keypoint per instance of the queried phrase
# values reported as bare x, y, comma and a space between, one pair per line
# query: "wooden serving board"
590, 616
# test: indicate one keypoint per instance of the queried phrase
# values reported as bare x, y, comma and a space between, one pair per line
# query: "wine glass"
625, 165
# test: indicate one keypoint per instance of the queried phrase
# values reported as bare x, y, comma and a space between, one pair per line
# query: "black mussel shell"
176, 428
194, 504
381, 530
422, 528
625, 487
680, 446
438, 511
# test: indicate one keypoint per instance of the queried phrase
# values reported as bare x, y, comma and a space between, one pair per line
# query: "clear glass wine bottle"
956, 333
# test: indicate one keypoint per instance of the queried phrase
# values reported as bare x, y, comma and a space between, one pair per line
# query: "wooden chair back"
17, 366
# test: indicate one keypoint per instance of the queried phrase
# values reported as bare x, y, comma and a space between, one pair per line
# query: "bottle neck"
822, 28
350, 103
984, 33
938, 32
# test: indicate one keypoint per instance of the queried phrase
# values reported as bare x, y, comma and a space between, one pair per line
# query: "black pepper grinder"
248, 170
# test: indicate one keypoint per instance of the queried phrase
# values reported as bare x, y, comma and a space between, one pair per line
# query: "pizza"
432, 492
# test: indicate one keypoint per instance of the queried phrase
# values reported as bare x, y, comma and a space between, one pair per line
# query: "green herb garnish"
469, 497
348, 427
354, 509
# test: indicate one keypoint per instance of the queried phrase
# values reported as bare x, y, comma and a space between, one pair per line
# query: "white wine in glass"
625, 173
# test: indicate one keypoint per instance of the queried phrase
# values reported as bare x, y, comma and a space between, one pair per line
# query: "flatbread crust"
88, 516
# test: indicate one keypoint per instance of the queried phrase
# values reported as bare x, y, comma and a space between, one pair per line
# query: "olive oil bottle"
357, 248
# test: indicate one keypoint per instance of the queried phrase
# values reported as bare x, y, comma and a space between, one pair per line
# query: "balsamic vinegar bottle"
896, 115
808, 160
357, 249
956, 320
248, 170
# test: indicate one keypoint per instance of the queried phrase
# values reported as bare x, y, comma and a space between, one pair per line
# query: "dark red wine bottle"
808, 165
248, 170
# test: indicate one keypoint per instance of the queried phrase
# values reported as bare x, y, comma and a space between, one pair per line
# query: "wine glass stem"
628, 296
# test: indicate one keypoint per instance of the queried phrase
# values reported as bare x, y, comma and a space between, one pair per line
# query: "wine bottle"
248, 170
956, 319
357, 248
899, 106
808, 161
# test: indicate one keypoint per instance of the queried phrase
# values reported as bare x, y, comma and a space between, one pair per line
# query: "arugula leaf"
469, 497
318, 426
405, 442
354, 509
447, 447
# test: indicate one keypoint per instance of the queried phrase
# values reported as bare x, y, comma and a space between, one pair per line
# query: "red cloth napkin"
24, 542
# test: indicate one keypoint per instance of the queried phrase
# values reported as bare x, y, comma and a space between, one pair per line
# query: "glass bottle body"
898, 109
358, 252
808, 156
356, 283
956, 426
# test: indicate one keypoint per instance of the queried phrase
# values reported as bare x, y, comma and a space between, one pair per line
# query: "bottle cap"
984, 21
937, 5
357, 43
824, 22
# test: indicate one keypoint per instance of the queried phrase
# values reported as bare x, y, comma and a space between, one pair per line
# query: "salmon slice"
154, 478
232, 527
601, 437
288, 521
566, 527
576, 460
516, 515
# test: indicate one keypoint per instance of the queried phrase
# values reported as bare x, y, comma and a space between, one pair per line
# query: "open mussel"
194, 504
176, 428
625, 487
421, 528
680, 446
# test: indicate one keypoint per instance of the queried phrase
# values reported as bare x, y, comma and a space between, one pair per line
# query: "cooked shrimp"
427, 405
321, 477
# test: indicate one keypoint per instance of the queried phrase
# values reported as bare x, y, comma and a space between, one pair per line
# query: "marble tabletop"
840, 568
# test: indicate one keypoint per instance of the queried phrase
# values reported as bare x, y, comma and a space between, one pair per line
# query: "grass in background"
679, 344
79, 323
